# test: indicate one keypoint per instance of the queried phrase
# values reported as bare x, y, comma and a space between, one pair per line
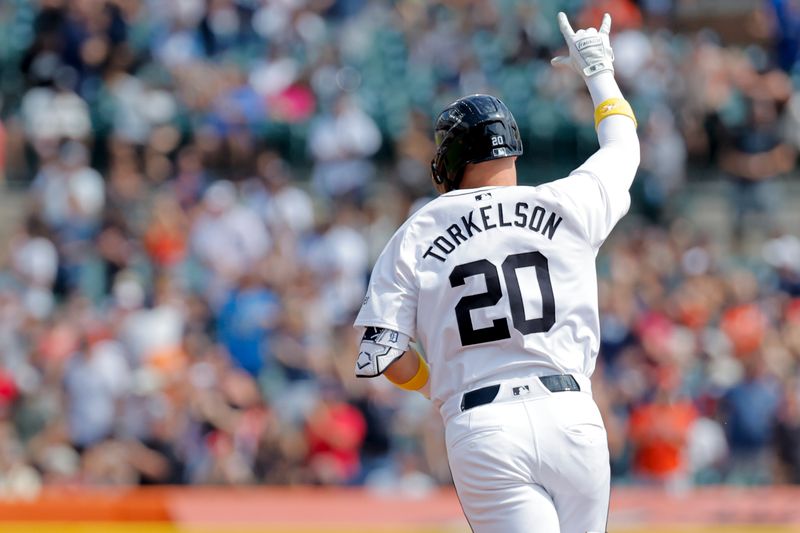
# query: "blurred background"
195, 192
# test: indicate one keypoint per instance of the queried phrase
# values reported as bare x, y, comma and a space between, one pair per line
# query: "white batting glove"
590, 51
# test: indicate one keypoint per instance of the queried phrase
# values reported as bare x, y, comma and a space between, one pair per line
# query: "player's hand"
590, 51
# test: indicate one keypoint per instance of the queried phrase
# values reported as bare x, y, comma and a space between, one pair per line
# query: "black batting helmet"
472, 129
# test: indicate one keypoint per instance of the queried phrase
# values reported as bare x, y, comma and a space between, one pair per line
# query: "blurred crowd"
198, 190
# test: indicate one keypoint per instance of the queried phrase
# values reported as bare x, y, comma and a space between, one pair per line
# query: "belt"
484, 395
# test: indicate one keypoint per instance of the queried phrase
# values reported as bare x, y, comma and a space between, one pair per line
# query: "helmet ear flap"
437, 178
439, 171
440, 182
441, 175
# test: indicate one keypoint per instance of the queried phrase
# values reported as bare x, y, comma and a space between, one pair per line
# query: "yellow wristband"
613, 106
420, 378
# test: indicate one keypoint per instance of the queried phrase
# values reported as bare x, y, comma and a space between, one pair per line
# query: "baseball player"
497, 283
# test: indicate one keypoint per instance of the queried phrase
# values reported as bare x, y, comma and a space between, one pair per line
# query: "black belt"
484, 395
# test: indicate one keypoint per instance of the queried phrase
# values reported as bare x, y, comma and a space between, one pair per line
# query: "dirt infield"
150, 527
306, 510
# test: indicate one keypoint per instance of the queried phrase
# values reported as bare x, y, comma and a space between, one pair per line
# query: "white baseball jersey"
498, 282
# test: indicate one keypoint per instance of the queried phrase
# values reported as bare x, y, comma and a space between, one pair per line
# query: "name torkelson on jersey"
534, 218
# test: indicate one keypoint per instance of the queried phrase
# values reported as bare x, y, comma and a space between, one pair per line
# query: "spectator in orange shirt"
624, 11
165, 238
659, 431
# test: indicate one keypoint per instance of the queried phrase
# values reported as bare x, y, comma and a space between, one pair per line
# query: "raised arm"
590, 54
614, 165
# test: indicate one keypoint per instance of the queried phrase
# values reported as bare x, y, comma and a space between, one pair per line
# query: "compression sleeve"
616, 161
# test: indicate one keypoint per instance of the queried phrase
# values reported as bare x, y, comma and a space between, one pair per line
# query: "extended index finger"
605, 27
563, 25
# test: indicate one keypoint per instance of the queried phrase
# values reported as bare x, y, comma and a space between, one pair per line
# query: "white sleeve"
391, 299
598, 189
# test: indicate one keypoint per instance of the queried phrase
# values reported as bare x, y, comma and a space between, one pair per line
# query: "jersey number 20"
499, 328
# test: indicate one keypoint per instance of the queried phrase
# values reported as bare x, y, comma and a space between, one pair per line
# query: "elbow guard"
380, 347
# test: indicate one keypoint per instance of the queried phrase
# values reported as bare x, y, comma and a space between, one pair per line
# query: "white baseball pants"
532, 462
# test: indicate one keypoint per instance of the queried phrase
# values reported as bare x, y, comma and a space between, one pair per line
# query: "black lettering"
500, 215
469, 225
499, 329
441, 239
535, 225
466, 330
522, 218
535, 325
485, 217
431, 252
551, 226
455, 233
